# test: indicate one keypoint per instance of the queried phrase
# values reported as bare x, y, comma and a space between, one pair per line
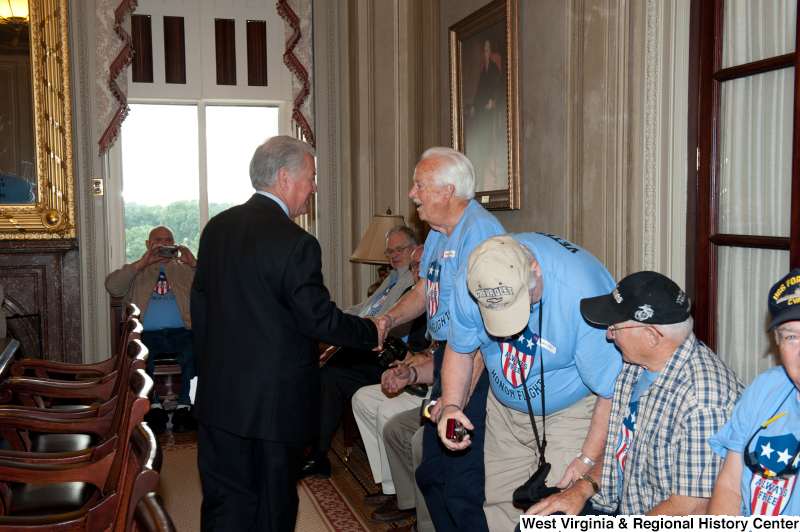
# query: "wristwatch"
585, 459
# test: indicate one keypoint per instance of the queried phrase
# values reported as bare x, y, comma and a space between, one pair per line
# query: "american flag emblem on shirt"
517, 357
432, 288
626, 434
769, 496
162, 286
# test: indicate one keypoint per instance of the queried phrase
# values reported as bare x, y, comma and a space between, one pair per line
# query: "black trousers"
248, 484
346, 373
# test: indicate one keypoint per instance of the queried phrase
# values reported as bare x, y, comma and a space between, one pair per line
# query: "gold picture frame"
484, 71
53, 214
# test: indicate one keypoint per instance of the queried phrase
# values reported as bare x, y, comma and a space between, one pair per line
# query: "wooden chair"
73, 394
50, 369
150, 516
101, 495
40, 439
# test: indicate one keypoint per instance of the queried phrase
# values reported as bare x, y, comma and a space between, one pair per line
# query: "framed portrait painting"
485, 100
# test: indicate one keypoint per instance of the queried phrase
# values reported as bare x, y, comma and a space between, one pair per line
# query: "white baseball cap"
497, 277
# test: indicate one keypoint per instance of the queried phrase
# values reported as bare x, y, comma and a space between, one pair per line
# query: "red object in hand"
455, 431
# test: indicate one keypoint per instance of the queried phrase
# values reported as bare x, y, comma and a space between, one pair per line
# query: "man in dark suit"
259, 310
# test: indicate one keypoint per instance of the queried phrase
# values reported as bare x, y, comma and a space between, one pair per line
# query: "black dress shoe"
389, 512
318, 467
182, 421
157, 419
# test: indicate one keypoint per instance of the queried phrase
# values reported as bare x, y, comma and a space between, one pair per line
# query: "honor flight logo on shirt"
626, 434
162, 286
517, 357
432, 288
769, 496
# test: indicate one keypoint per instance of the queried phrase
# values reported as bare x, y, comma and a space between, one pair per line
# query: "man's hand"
451, 412
186, 256
570, 501
150, 257
395, 379
381, 332
386, 324
412, 359
575, 471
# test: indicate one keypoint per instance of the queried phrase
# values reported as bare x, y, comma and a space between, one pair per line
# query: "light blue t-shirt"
162, 310
444, 255
577, 357
770, 394
628, 426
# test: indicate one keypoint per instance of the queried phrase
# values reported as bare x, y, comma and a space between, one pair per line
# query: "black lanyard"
543, 444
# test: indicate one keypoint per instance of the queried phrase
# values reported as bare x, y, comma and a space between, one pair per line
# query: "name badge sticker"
547, 345
449, 254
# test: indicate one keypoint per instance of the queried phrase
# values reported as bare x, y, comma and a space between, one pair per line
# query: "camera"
455, 431
535, 489
168, 252
393, 349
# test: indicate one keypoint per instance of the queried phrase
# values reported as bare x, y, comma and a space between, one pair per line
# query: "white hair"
281, 151
531, 258
677, 331
455, 169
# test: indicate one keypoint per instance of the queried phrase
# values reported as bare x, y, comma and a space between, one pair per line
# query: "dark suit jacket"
259, 311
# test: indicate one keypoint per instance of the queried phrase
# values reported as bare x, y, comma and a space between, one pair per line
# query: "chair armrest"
91, 454
56, 389
43, 367
94, 473
14, 428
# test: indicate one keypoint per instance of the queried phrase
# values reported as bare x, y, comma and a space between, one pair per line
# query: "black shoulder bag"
535, 489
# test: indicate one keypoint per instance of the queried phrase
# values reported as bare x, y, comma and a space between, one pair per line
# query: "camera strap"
541, 445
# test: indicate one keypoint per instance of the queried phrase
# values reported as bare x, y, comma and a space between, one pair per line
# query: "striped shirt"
689, 402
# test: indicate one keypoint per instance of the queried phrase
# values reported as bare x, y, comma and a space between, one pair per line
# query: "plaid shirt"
689, 402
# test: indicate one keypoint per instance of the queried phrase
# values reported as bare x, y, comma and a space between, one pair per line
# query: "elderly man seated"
672, 395
160, 287
350, 370
372, 408
761, 441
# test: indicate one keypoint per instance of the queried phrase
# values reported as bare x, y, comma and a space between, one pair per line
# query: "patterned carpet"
330, 505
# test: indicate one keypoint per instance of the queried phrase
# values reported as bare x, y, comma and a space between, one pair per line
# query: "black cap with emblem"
784, 299
646, 297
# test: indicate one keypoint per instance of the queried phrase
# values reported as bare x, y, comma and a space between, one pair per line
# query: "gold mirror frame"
53, 215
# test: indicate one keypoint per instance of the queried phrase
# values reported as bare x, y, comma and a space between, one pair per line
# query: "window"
183, 164
748, 192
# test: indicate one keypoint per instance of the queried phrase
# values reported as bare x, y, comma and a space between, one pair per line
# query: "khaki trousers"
511, 455
372, 408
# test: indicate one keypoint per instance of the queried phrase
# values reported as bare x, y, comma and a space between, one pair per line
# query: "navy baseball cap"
646, 297
784, 299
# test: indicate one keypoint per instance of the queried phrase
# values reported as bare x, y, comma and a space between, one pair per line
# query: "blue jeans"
179, 343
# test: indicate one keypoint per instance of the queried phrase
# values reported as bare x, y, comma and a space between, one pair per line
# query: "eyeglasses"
396, 251
751, 457
414, 265
612, 329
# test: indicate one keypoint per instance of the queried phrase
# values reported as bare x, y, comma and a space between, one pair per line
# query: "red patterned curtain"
114, 54
300, 60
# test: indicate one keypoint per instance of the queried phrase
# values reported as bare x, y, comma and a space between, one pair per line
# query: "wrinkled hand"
575, 470
452, 412
186, 256
395, 379
150, 256
570, 501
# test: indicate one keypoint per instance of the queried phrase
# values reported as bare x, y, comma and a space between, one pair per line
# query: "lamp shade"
14, 8
372, 247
